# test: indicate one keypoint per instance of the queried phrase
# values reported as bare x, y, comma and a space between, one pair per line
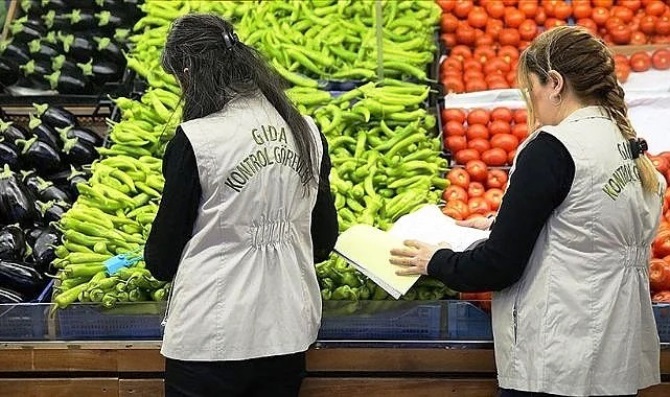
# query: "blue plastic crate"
379, 320
662, 316
465, 321
25, 321
126, 321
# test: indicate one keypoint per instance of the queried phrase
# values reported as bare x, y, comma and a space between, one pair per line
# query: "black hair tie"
230, 39
637, 147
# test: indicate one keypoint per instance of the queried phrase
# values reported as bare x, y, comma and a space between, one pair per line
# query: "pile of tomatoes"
481, 69
641, 61
489, 136
625, 22
503, 22
659, 265
474, 191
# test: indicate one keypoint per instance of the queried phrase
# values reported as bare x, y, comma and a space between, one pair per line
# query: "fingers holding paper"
414, 257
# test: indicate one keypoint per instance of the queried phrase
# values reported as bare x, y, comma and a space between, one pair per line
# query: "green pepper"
68, 297
84, 257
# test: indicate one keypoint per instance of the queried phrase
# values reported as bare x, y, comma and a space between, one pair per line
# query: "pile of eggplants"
74, 47
41, 165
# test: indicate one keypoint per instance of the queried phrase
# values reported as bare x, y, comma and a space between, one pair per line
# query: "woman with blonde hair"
568, 252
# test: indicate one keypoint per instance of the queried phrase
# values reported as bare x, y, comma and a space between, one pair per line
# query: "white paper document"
368, 248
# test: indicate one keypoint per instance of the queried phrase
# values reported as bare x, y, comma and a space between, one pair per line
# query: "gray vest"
579, 322
246, 285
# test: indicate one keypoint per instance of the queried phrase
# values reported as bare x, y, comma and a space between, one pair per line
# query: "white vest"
579, 322
246, 286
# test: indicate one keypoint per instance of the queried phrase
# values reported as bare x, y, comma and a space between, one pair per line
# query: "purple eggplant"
101, 71
43, 50
44, 132
20, 277
13, 244
15, 51
9, 72
76, 177
35, 70
69, 83
31, 180
110, 20
122, 36
40, 155
58, 5
56, 20
79, 152
10, 132
47, 191
84, 135
108, 49
24, 29
9, 155
32, 233
79, 47
17, 204
64, 65
32, 7
55, 116
9, 297
43, 248
52, 211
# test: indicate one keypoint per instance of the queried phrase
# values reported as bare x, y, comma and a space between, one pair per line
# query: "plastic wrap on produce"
651, 80
485, 99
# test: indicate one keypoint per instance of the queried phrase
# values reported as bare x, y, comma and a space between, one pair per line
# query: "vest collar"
587, 112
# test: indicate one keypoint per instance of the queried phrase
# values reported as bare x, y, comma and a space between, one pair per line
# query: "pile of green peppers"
309, 41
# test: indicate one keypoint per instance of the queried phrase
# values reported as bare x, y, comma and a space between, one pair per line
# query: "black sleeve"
542, 179
324, 216
173, 226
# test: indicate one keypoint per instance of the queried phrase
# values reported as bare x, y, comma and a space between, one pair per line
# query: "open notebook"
368, 248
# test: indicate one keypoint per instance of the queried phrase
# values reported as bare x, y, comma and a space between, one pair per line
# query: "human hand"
477, 223
414, 257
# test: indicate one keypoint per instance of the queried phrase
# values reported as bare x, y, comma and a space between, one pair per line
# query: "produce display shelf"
26, 321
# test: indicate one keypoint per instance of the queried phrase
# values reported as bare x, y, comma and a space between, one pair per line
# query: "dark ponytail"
213, 66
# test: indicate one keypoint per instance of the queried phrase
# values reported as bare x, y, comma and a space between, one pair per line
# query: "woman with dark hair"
246, 212
569, 250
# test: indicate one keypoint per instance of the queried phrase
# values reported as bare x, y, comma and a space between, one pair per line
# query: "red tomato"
553, 22
563, 10
449, 39
660, 163
621, 34
452, 213
529, 8
603, 3
463, 8
478, 205
661, 244
476, 189
510, 156
661, 297
520, 131
448, 23
446, 5
465, 35
509, 36
499, 127
456, 143
494, 157
661, 59
659, 274
485, 39
465, 155
478, 116
514, 18
600, 16
622, 72
582, 10
454, 128
656, 8
665, 155
496, 179
508, 53
520, 116
460, 206
477, 131
504, 114
658, 39
477, 170
472, 64
475, 85
494, 197
484, 54
498, 84
457, 115
506, 142
477, 17
479, 144
454, 192
640, 62
461, 52
662, 26
588, 24
648, 24
454, 85
541, 16
638, 38
459, 177
493, 28
528, 30
495, 9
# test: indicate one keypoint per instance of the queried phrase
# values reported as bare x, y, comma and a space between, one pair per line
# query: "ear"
556, 80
